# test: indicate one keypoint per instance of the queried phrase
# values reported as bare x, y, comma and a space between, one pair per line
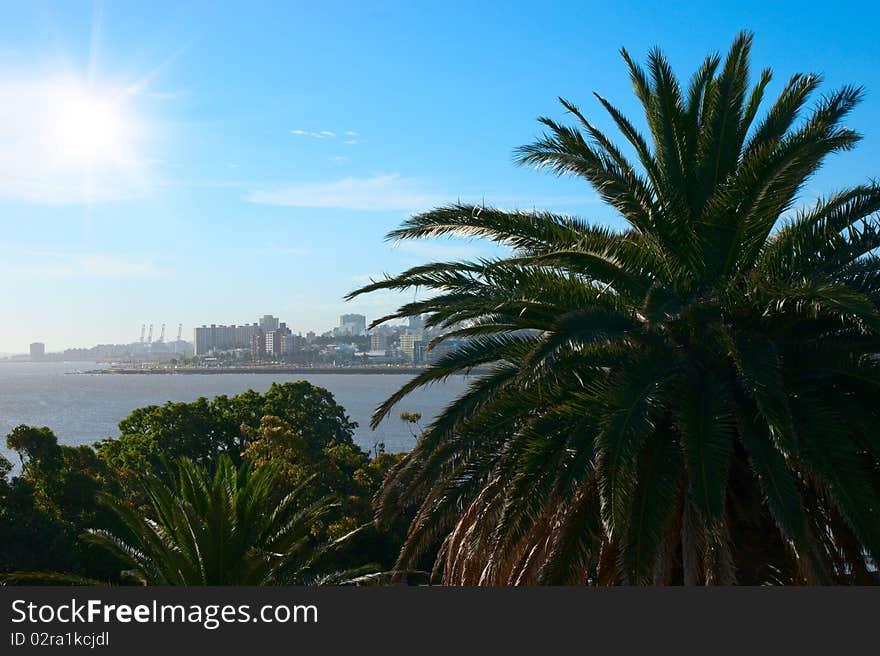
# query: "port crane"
161, 339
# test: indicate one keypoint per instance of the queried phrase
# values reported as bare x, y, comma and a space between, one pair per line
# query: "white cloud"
319, 134
338, 158
327, 134
64, 142
378, 193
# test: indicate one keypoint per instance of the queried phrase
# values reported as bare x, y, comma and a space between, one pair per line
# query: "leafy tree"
339, 469
172, 430
45, 508
306, 437
31, 538
311, 411
36, 446
216, 529
691, 399
203, 429
64, 480
5, 469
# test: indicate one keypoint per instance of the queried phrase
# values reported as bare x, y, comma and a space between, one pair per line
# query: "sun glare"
85, 127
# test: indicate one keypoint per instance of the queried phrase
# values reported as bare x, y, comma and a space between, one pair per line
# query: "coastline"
166, 371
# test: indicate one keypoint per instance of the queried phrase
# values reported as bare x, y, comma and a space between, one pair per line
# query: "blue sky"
209, 162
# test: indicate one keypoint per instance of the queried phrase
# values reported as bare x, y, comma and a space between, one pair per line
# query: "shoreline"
194, 371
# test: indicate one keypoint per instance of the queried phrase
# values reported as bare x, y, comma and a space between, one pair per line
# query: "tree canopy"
223, 528
690, 399
295, 437
203, 429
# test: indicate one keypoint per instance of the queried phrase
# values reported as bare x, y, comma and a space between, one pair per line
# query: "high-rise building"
269, 323
212, 338
222, 338
291, 343
258, 344
200, 340
412, 347
37, 350
244, 335
205, 339
353, 325
378, 342
275, 340
215, 338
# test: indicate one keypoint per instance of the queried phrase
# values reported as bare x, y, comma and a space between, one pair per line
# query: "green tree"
203, 429
36, 446
5, 469
51, 501
64, 480
339, 469
691, 399
54, 500
216, 529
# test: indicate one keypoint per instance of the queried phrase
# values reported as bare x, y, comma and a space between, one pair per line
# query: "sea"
82, 408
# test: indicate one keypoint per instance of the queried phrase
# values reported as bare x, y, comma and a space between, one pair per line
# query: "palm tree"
692, 399
223, 528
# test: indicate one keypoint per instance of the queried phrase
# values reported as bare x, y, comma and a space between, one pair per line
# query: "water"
83, 408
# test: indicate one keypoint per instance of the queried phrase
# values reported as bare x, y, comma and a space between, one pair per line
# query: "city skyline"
267, 341
167, 163
148, 335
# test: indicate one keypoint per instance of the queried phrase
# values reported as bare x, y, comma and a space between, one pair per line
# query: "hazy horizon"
211, 164
171, 336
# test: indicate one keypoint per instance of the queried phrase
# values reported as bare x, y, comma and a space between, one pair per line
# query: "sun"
88, 127
74, 132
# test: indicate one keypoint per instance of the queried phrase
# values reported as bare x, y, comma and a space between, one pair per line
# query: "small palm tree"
692, 399
216, 529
